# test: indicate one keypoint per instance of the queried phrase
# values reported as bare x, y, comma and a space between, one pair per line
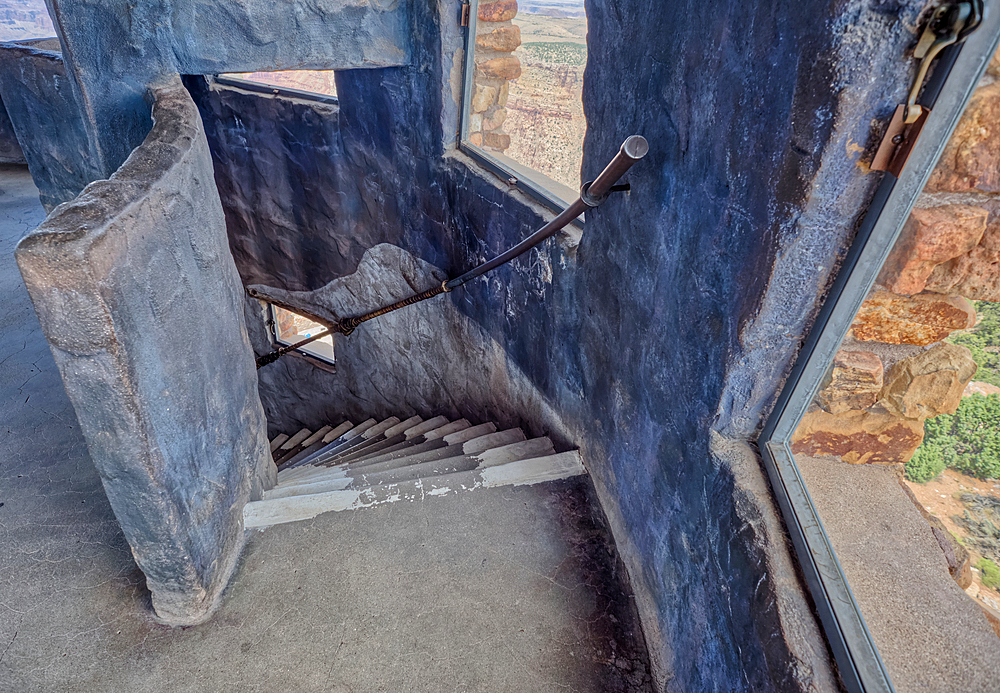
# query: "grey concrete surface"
508, 591
138, 296
931, 636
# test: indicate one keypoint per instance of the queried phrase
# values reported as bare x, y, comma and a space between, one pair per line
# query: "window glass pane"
526, 107
24, 19
290, 328
315, 81
900, 449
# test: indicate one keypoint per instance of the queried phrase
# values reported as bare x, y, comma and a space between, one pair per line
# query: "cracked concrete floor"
506, 590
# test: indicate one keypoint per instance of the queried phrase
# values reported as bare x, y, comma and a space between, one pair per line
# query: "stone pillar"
47, 122
138, 296
496, 40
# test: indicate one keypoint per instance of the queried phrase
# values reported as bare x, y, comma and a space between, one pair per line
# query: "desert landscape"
24, 19
545, 117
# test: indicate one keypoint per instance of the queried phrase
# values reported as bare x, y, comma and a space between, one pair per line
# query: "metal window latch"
949, 24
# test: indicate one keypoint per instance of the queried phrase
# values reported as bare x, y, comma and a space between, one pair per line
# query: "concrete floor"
515, 589
931, 636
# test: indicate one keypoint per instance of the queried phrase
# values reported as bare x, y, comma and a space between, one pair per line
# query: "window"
27, 19
881, 552
293, 82
290, 328
523, 106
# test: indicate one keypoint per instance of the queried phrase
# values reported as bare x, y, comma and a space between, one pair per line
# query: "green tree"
983, 341
990, 571
967, 441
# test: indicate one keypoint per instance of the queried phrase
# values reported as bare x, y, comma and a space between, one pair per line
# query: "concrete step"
429, 425
444, 460
438, 453
341, 442
278, 440
291, 447
278, 510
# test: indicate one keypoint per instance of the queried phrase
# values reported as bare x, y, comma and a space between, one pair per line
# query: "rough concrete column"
137, 293
47, 122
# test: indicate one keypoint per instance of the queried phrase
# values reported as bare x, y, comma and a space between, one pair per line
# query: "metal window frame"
532, 188
270, 90
955, 77
272, 320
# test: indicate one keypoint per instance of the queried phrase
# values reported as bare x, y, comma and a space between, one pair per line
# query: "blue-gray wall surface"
682, 308
686, 301
39, 101
10, 148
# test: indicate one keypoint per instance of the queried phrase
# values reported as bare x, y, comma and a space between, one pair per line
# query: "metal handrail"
592, 194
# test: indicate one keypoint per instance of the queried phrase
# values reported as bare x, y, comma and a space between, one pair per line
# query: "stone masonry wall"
138, 297
497, 37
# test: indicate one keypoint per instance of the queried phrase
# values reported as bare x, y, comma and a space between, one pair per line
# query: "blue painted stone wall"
10, 149
686, 301
44, 116
119, 48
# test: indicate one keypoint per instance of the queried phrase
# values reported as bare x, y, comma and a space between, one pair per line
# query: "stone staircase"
350, 466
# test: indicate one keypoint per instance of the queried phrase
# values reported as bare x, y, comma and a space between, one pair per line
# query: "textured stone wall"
660, 342
10, 149
43, 113
120, 48
137, 294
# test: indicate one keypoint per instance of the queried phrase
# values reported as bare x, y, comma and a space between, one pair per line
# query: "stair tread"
402, 452
492, 440
429, 425
317, 436
403, 426
536, 470
447, 428
352, 437
380, 428
373, 448
536, 447
296, 439
278, 440
470, 433
337, 432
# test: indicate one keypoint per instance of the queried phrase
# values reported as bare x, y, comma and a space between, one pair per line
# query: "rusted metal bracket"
466, 13
949, 24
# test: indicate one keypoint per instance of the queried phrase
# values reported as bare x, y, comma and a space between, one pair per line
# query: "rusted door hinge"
466, 11
950, 23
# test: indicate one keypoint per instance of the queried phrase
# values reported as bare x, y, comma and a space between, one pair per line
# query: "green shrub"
980, 339
926, 463
990, 571
967, 441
